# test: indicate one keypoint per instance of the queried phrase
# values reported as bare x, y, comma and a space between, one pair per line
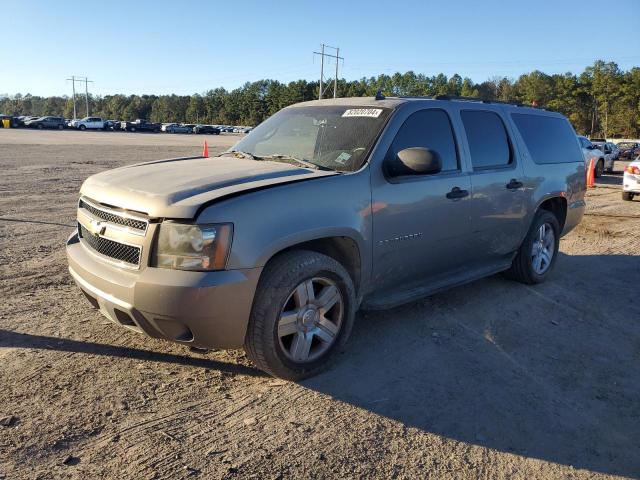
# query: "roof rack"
474, 99
469, 99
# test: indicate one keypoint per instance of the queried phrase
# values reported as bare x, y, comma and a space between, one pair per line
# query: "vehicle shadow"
9, 339
547, 371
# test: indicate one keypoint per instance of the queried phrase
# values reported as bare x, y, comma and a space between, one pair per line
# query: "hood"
177, 188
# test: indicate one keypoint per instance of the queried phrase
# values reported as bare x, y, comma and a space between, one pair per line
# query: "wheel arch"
343, 248
556, 204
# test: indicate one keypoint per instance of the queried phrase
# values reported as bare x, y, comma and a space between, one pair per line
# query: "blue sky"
183, 47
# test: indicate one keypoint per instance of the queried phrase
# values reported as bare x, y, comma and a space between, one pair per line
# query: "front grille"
113, 218
118, 251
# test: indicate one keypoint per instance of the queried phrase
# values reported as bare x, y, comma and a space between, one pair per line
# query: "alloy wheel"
310, 320
543, 249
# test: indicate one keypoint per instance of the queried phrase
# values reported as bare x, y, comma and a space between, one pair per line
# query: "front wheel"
82, 127
60, 127
302, 314
537, 254
627, 196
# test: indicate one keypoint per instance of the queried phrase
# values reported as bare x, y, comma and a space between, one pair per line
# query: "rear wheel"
627, 196
302, 314
537, 254
40, 127
132, 129
599, 170
60, 127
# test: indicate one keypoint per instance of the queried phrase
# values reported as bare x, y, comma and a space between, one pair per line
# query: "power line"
337, 57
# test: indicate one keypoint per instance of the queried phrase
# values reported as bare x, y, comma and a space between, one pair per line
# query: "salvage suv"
326, 207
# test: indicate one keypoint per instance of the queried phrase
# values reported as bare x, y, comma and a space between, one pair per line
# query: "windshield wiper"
289, 158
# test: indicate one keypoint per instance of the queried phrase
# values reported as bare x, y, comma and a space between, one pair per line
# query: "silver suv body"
326, 207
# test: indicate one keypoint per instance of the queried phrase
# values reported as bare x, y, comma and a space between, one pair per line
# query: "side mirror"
415, 161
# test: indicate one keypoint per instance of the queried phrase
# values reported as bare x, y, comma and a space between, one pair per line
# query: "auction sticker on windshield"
363, 112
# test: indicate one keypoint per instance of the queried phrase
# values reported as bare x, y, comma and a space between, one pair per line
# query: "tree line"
603, 100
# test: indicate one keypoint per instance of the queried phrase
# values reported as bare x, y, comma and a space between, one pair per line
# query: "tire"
599, 170
82, 127
522, 268
132, 129
40, 127
278, 291
60, 127
627, 196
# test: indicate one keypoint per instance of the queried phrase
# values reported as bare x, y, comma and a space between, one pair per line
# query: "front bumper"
631, 183
203, 309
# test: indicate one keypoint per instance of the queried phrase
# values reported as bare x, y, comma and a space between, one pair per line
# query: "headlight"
192, 247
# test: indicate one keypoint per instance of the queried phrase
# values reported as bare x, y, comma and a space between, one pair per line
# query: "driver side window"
429, 129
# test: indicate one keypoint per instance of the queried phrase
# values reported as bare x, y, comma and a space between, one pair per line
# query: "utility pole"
337, 58
86, 92
73, 86
86, 81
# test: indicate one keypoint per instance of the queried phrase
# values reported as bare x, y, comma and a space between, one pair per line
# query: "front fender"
268, 221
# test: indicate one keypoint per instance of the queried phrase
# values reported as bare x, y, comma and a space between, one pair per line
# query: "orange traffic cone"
205, 150
591, 174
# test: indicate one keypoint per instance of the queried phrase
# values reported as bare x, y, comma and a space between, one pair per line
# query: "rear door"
498, 199
420, 229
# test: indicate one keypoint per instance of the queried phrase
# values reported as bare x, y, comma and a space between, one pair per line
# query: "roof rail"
475, 99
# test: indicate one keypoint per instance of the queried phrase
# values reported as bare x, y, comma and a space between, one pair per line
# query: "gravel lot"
490, 380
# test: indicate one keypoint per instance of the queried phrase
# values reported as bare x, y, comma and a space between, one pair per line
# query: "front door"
421, 223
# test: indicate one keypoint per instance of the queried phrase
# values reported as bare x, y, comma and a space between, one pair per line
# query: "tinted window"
487, 137
584, 142
430, 129
548, 139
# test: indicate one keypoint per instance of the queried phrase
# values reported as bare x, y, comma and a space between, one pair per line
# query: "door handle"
456, 192
514, 184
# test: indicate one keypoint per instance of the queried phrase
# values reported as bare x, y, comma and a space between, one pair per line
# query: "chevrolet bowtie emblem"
97, 228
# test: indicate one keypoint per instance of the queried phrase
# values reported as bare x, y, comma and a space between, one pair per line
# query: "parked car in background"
140, 125
164, 126
28, 118
609, 155
88, 123
590, 152
209, 129
326, 207
631, 180
177, 128
629, 150
615, 150
46, 122
111, 124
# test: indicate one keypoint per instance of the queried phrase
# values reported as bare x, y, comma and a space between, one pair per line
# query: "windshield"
334, 137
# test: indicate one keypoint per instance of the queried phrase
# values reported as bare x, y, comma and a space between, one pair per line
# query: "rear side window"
548, 139
429, 129
487, 137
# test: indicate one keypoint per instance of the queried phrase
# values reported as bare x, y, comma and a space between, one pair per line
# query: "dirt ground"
491, 380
